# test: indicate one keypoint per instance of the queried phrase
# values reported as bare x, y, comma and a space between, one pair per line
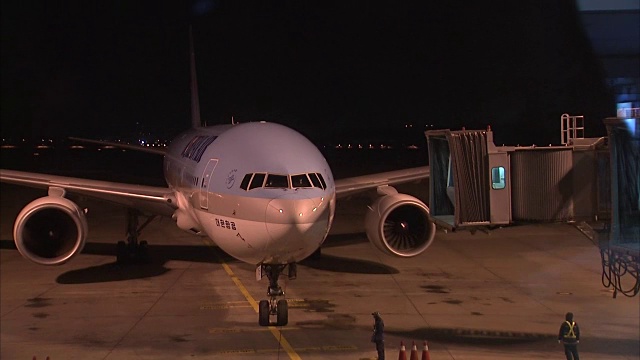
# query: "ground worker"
569, 335
378, 334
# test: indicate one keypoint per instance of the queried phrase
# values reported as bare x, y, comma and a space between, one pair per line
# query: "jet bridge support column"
620, 251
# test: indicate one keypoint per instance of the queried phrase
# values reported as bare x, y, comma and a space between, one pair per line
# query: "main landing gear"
133, 251
274, 307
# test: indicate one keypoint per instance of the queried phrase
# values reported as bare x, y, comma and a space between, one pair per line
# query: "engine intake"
50, 230
399, 225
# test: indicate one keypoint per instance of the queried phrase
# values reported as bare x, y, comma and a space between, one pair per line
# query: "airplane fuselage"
261, 191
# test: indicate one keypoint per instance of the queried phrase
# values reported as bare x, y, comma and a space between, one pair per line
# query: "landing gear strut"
133, 250
274, 307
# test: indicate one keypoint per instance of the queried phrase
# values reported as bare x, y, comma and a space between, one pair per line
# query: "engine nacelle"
398, 224
50, 230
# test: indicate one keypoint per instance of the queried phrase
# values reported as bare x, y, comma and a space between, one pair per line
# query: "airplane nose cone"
297, 226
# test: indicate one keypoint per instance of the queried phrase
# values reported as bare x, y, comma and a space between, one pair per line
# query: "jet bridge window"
277, 181
498, 178
300, 181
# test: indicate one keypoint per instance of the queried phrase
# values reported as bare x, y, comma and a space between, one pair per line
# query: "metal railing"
571, 127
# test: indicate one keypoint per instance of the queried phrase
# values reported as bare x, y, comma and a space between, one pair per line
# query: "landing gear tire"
143, 252
263, 313
133, 251
274, 307
283, 312
122, 255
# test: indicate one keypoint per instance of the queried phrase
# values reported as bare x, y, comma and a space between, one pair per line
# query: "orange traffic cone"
425, 352
403, 352
414, 352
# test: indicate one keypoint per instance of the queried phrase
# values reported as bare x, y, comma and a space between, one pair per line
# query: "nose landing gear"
274, 307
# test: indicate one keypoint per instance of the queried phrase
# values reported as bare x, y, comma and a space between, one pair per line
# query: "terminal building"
612, 29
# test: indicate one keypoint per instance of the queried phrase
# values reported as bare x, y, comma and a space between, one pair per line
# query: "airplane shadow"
346, 265
603, 345
474, 336
344, 239
161, 254
111, 272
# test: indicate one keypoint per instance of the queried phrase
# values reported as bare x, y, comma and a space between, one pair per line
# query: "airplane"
261, 191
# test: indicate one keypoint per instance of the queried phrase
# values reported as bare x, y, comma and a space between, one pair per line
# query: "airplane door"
205, 181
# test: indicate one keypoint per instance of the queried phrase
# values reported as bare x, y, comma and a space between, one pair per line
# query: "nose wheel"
274, 308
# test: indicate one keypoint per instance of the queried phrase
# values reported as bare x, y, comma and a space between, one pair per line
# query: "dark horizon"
344, 68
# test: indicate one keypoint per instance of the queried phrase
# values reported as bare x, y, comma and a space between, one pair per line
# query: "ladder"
571, 127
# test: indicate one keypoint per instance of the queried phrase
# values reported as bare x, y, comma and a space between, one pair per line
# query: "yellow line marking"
302, 349
240, 306
293, 303
274, 331
226, 330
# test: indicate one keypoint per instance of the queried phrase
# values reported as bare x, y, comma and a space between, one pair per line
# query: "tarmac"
501, 295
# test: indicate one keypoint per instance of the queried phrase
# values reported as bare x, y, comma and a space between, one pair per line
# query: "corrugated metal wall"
542, 185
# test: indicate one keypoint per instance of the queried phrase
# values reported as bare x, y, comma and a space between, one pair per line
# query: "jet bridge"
592, 182
475, 184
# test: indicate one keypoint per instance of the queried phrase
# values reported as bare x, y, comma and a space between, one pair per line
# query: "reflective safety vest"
570, 334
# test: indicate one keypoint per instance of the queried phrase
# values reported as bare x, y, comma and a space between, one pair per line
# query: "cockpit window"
314, 179
257, 181
280, 181
300, 181
277, 181
324, 184
245, 182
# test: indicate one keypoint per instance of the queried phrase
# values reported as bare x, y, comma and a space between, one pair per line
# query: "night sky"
327, 69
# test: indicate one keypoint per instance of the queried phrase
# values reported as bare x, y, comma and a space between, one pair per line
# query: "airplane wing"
353, 185
150, 150
158, 200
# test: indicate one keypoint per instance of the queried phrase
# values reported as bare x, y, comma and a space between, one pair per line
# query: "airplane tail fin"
195, 102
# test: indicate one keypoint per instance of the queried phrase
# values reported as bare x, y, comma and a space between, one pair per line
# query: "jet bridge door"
500, 188
459, 178
205, 183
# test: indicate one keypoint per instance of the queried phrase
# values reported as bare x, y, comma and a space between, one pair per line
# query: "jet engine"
50, 230
398, 224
